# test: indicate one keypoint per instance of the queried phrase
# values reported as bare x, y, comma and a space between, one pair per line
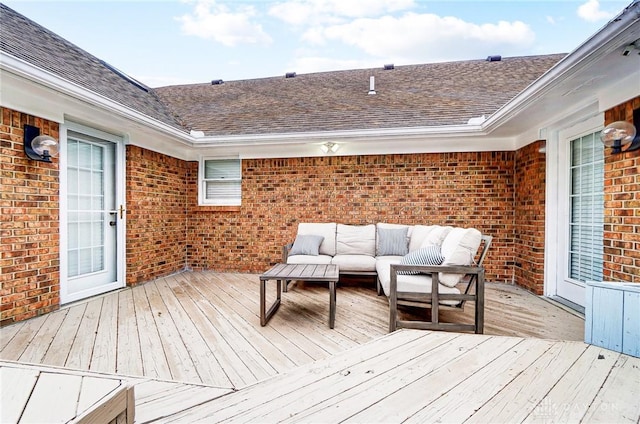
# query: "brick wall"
529, 237
156, 214
460, 189
622, 205
29, 241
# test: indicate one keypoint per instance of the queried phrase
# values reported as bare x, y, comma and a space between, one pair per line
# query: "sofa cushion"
429, 255
418, 234
354, 263
310, 259
436, 236
459, 248
306, 245
392, 241
356, 240
326, 230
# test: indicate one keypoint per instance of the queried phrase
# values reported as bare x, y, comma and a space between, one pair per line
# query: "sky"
170, 42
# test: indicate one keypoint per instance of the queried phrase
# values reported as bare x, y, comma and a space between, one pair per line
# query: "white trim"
557, 175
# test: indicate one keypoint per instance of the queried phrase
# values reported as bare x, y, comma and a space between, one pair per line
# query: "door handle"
121, 210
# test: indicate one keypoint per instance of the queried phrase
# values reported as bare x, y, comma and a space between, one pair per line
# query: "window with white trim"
220, 182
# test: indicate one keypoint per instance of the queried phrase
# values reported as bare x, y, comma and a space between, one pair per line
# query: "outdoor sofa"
429, 266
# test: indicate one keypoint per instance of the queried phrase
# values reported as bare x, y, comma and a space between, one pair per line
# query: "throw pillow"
306, 245
429, 255
393, 242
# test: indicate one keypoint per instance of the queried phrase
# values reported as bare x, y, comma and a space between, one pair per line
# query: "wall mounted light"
329, 147
39, 147
618, 135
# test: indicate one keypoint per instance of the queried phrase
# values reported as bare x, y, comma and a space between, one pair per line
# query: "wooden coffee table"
286, 272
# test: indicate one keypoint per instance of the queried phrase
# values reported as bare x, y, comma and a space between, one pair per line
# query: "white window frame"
202, 184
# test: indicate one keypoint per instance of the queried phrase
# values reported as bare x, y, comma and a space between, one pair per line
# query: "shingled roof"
436, 94
26, 40
407, 96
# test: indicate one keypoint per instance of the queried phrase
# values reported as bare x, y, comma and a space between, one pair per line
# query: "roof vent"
495, 58
217, 82
389, 66
290, 75
372, 85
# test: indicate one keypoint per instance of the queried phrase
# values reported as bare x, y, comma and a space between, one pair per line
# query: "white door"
94, 213
581, 226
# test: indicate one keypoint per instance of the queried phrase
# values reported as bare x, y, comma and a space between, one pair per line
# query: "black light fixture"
618, 135
39, 147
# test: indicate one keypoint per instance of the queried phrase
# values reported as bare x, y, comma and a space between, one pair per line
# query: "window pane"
222, 182
222, 169
587, 209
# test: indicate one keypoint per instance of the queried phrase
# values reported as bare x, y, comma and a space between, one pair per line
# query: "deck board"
128, 340
83, 343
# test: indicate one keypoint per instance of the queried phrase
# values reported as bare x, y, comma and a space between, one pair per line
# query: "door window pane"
587, 208
85, 207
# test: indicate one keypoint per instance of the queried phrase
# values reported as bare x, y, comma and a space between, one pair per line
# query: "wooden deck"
204, 327
193, 347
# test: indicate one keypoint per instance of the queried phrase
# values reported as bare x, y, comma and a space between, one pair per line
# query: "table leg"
265, 315
332, 303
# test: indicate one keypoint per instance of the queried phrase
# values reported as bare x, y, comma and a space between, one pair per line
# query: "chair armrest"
431, 269
285, 252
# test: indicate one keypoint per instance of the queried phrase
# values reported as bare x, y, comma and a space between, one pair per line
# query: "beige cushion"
436, 236
356, 240
355, 263
410, 283
310, 259
327, 230
459, 248
418, 234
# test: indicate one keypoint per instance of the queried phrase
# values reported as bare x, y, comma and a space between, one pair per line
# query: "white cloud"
551, 20
223, 25
590, 12
413, 37
314, 12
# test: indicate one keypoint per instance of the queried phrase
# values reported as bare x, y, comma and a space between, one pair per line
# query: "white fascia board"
349, 135
584, 55
42, 77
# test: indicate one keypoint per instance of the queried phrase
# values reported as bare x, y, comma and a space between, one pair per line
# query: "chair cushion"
429, 255
392, 241
459, 248
356, 240
326, 230
306, 245
410, 283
